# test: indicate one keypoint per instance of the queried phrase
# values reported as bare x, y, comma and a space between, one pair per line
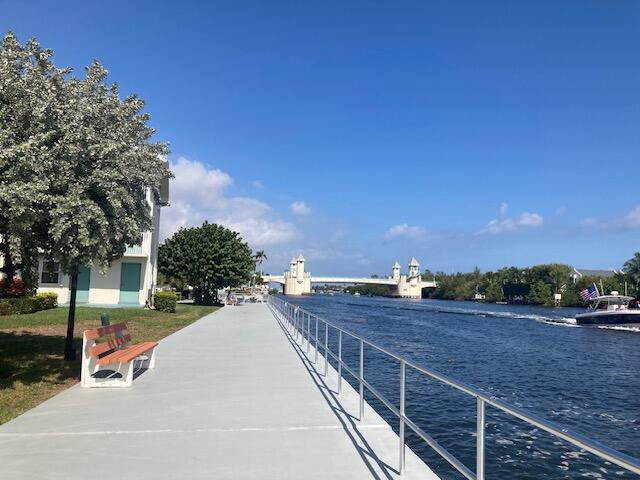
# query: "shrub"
14, 288
6, 308
47, 300
166, 301
23, 305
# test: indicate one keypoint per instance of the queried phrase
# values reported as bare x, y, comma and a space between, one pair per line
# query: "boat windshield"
611, 303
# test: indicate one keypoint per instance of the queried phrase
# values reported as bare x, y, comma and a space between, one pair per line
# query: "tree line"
535, 285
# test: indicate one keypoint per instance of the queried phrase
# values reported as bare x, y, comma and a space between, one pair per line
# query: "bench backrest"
114, 336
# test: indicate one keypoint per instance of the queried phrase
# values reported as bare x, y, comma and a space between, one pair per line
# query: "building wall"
104, 288
408, 287
61, 288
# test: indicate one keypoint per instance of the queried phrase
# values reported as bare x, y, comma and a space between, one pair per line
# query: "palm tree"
632, 268
260, 257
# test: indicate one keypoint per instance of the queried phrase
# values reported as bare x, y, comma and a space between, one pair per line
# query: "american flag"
590, 293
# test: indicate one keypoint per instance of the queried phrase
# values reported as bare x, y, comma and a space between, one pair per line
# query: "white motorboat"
611, 309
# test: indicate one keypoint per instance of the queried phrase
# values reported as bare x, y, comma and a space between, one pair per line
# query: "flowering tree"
30, 99
89, 160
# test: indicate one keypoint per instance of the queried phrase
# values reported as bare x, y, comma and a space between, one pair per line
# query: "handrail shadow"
347, 420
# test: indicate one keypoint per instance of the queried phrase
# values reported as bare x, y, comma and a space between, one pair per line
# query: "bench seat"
126, 354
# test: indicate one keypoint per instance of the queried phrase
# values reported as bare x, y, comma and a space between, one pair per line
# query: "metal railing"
299, 322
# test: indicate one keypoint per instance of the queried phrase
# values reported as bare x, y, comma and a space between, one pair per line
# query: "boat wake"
562, 321
618, 327
559, 321
556, 321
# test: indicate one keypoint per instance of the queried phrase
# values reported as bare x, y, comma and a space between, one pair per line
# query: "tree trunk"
69, 348
9, 268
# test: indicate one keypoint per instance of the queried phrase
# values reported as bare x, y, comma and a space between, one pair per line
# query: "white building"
130, 280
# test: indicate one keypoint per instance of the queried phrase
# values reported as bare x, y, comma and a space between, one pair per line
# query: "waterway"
586, 379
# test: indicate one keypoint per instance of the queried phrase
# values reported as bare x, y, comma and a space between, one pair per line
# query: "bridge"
298, 282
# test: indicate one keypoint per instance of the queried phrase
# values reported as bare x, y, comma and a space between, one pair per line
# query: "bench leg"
127, 375
151, 363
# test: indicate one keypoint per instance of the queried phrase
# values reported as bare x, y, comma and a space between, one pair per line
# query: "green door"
84, 278
130, 283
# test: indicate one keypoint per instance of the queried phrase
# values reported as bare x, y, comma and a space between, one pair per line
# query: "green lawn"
32, 368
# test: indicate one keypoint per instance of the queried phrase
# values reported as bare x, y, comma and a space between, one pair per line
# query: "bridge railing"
299, 322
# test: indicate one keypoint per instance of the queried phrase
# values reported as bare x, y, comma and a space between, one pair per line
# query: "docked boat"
610, 310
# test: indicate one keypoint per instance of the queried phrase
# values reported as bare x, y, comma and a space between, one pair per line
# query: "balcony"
141, 248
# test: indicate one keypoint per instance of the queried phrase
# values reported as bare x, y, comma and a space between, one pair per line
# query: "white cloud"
589, 222
195, 182
257, 184
527, 219
258, 231
198, 194
300, 208
633, 218
629, 221
407, 231
561, 210
504, 223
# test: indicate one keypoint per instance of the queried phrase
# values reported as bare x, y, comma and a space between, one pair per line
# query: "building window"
50, 271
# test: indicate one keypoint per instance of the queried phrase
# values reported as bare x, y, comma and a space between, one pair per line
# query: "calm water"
533, 357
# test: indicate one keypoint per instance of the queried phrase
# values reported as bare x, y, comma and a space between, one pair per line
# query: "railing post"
480, 440
401, 433
326, 349
339, 361
361, 379
315, 361
308, 332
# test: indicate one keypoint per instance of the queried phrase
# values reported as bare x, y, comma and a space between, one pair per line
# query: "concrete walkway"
231, 398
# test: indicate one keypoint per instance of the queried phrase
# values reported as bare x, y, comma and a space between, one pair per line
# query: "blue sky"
358, 133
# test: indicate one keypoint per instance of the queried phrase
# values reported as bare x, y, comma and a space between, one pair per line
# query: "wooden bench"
108, 350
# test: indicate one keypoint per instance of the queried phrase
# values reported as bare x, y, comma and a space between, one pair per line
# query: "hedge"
22, 305
165, 301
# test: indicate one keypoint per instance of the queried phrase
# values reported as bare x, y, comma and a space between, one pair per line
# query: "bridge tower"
300, 266
296, 280
414, 267
396, 271
410, 285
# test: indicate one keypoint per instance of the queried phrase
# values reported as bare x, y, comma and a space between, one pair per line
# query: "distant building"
577, 274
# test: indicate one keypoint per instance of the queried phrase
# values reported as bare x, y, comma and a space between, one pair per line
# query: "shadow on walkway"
349, 422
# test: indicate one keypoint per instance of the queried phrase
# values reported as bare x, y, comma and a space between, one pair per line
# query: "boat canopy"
624, 298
